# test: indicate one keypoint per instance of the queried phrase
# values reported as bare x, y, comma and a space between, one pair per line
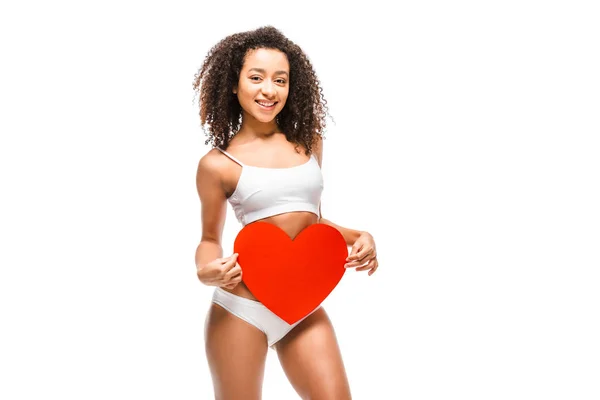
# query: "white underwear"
255, 313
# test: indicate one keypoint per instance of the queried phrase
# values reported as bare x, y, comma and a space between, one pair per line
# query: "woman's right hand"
222, 272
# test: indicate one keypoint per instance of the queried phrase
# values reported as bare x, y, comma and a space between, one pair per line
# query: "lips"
266, 105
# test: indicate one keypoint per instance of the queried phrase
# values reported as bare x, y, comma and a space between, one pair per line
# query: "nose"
268, 89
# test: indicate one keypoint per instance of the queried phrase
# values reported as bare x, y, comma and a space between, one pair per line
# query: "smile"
266, 106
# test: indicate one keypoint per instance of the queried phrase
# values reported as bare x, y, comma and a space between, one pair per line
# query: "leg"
312, 361
236, 352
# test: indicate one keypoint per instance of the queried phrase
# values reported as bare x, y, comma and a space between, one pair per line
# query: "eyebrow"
263, 71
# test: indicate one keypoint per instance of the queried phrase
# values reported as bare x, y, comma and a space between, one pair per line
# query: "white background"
466, 142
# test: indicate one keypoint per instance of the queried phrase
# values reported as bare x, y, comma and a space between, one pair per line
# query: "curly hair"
302, 118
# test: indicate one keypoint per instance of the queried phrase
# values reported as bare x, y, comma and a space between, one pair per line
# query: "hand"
222, 272
363, 252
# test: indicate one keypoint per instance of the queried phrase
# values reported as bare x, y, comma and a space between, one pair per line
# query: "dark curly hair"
302, 118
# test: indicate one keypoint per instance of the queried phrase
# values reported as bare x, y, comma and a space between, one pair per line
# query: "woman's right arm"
212, 268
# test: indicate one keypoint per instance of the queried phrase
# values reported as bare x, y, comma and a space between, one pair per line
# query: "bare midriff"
291, 223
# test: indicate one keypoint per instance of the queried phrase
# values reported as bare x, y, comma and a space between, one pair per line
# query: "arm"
213, 208
213, 211
363, 254
350, 235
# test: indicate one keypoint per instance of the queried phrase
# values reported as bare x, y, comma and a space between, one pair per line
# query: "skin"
236, 350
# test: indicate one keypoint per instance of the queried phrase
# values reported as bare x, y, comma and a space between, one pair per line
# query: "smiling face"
263, 87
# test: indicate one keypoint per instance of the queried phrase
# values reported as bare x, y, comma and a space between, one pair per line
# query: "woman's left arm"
363, 254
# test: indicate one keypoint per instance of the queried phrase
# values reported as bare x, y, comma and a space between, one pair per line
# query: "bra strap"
230, 156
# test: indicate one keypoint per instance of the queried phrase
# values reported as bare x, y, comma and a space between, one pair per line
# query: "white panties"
255, 313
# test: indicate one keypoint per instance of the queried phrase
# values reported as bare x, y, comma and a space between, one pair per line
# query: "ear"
234, 89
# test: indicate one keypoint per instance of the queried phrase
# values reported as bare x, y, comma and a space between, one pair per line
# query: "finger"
366, 259
354, 264
232, 282
352, 254
230, 263
375, 266
237, 276
235, 280
355, 249
233, 272
371, 272
369, 265
361, 255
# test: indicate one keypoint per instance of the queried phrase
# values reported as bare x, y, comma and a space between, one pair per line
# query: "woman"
262, 101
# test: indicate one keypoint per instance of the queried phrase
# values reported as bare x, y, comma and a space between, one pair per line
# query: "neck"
254, 129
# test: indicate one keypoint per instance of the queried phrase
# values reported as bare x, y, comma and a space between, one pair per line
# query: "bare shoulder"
209, 183
211, 168
212, 163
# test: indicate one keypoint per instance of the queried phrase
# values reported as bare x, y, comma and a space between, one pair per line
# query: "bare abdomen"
292, 223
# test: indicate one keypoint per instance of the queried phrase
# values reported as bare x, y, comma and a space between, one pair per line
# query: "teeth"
265, 104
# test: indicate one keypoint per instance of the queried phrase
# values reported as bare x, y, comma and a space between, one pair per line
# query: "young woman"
262, 102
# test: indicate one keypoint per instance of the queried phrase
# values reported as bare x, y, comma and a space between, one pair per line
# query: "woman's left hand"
363, 251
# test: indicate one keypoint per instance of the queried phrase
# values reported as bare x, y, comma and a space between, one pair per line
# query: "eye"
282, 81
255, 77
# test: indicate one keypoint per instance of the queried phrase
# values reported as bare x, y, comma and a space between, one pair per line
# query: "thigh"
312, 361
236, 352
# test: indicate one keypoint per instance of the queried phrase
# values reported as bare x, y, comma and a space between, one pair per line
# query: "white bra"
263, 192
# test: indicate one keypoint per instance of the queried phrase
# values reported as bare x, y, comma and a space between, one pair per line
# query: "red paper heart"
290, 277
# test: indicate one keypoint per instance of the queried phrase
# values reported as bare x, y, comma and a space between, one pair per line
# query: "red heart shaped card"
290, 277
